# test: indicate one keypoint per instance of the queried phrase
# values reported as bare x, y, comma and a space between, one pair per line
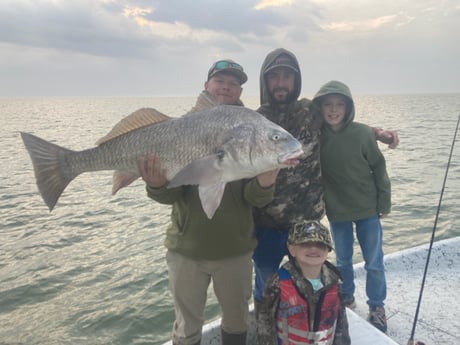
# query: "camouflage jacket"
298, 190
266, 320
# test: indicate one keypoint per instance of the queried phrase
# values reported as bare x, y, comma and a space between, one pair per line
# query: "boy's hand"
387, 137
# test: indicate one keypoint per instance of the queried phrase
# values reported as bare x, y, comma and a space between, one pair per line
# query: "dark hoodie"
265, 98
355, 180
298, 194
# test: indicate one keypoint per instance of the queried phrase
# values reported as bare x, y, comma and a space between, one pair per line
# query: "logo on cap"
283, 61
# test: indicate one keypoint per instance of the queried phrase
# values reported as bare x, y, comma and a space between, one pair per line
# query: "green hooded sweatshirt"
355, 180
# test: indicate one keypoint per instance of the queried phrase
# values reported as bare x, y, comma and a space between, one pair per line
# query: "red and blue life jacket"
293, 322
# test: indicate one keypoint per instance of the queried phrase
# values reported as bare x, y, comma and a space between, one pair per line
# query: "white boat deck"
361, 332
438, 322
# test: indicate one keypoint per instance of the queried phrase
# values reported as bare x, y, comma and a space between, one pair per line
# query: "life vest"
293, 322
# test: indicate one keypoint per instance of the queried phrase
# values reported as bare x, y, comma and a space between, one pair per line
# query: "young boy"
301, 303
356, 190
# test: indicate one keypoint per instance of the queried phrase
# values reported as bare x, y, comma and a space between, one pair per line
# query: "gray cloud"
94, 47
236, 16
83, 27
99, 28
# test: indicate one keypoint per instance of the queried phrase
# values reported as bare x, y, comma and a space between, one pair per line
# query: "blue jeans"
369, 235
270, 251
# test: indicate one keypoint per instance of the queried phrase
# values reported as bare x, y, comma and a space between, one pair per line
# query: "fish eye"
276, 136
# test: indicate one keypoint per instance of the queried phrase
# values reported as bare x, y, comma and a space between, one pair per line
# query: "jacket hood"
337, 87
269, 62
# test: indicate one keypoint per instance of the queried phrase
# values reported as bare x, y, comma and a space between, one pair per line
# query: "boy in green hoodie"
356, 190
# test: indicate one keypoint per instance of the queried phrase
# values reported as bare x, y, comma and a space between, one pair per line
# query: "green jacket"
355, 180
229, 233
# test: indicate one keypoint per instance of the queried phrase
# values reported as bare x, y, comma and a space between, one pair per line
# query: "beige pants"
189, 280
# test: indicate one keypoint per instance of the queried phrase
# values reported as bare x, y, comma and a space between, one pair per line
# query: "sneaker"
377, 318
349, 302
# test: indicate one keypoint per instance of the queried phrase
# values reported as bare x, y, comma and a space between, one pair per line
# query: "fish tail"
52, 172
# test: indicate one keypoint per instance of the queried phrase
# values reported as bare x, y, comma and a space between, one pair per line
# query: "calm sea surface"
93, 271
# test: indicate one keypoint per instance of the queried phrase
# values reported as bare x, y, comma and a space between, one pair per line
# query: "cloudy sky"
165, 47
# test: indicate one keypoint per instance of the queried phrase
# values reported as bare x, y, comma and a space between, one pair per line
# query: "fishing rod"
411, 339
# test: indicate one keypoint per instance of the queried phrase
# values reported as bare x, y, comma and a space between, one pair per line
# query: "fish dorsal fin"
204, 102
140, 118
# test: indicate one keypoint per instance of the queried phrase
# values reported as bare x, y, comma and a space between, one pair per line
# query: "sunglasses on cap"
223, 64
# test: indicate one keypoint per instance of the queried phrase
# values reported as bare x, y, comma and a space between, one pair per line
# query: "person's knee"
235, 321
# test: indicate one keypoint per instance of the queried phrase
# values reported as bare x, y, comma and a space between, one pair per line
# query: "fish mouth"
291, 158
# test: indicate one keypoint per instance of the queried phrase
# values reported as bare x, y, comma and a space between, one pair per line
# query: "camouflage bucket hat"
310, 231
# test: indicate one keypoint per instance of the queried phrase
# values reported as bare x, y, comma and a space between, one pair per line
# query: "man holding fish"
218, 249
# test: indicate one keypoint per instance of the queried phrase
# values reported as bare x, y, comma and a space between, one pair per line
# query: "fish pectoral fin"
122, 179
202, 171
211, 196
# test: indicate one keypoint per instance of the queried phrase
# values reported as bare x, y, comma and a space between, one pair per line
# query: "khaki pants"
188, 282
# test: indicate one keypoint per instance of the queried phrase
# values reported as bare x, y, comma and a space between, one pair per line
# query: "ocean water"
93, 271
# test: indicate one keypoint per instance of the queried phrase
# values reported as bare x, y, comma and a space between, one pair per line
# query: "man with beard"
298, 191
